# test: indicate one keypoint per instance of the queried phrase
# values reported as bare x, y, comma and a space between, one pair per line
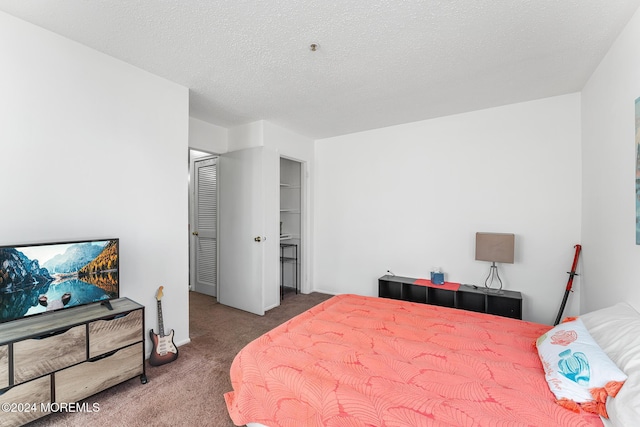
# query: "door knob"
258, 239
195, 233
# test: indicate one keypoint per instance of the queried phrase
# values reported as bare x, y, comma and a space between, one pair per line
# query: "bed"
365, 361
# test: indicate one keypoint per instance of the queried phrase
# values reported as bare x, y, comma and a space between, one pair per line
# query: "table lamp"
495, 247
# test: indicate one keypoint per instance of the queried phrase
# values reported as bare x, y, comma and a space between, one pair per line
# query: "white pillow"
617, 330
575, 365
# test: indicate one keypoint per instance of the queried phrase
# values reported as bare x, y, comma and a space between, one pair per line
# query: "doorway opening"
291, 219
203, 219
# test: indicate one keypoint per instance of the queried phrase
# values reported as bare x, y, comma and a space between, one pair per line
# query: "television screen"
43, 277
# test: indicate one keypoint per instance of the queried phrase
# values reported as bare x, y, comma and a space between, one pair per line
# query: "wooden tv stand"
505, 303
55, 359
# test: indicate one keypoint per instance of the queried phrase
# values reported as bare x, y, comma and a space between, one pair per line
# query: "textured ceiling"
380, 62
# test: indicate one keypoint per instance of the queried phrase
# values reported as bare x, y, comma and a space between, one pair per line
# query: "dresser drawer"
36, 357
4, 366
22, 403
80, 381
109, 335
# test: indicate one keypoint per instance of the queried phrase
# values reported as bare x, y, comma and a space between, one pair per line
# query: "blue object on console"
437, 278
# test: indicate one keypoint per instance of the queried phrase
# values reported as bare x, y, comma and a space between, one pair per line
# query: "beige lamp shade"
495, 247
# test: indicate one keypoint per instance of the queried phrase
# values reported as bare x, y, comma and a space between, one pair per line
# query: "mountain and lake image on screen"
38, 278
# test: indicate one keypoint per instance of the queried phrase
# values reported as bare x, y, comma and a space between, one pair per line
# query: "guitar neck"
160, 323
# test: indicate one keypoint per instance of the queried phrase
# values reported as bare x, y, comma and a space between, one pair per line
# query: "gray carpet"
188, 391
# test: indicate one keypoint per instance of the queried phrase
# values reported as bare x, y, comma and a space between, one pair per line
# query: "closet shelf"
288, 236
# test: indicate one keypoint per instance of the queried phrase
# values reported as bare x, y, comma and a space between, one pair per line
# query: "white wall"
207, 137
92, 147
246, 136
411, 197
611, 256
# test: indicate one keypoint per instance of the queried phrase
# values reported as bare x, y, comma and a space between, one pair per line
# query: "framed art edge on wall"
637, 116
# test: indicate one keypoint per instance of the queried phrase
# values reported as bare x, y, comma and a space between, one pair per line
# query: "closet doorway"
291, 218
203, 219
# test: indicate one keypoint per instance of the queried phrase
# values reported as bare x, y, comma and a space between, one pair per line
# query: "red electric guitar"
164, 350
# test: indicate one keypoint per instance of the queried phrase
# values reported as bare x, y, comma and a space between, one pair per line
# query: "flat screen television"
39, 278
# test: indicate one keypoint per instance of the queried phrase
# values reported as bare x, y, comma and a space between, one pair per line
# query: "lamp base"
493, 276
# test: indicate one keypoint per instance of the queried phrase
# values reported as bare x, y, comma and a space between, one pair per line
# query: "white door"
249, 229
205, 226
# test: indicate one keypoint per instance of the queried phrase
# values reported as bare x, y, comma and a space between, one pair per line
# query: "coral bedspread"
364, 361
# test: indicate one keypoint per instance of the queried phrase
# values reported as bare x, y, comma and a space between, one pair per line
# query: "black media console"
503, 303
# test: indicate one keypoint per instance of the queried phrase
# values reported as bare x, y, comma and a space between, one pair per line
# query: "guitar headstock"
159, 293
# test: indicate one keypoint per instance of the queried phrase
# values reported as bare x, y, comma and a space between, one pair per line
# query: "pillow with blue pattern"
578, 371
